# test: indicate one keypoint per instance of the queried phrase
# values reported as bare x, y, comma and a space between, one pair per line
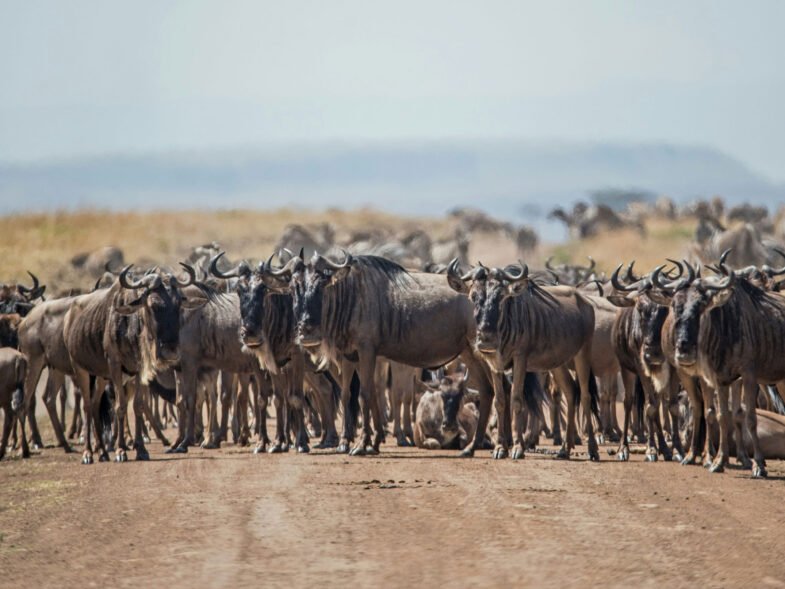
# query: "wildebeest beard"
150, 362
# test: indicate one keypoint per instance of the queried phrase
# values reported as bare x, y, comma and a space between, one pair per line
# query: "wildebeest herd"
455, 356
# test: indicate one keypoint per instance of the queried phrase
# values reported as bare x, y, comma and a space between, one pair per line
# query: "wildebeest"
527, 327
125, 330
13, 369
444, 418
728, 329
268, 332
366, 307
637, 338
19, 299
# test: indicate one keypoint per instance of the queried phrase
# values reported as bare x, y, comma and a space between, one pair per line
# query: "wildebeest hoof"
121, 456
275, 449
594, 455
600, 438
651, 457
260, 449
357, 451
371, 451
759, 472
304, 449
342, 448
178, 450
36, 446
211, 445
142, 454
68, 449
677, 457
623, 455
563, 454
717, 466
517, 452
467, 452
87, 458
688, 459
499, 453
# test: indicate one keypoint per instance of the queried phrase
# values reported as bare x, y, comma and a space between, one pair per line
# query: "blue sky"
85, 78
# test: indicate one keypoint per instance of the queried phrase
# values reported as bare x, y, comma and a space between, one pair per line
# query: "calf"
443, 419
13, 369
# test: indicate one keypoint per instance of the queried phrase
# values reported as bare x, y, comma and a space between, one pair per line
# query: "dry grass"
45, 243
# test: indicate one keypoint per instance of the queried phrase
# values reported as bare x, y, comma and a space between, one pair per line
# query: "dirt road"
227, 518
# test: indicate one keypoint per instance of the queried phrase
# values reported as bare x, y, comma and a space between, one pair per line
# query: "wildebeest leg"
77, 422
241, 408
121, 409
565, 382
139, 392
738, 415
501, 402
349, 424
281, 435
556, 403
35, 366
144, 393
227, 392
628, 381
408, 412
724, 419
478, 375
673, 410
82, 381
710, 416
264, 391
516, 407
55, 383
656, 438
35, 434
587, 382
185, 379
365, 370
323, 393
8, 418
750, 394
697, 419
213, 438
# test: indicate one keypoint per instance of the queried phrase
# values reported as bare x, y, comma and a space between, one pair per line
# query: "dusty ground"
228, 518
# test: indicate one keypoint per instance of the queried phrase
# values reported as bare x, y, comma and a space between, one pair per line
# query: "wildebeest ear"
192, 302
340, 274
457, 284
620, 300
659, 297
275, 284
517, 287
719, 298
130, 308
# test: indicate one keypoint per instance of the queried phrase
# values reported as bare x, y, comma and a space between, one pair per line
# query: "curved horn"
724, 257
727, 283
452, 270
520, 277
655, 279
615, 279
123, 277
679, 266
629, 276
592, 264
24, 289
286, 271
191, 275
347, 260
465, 374
548, 263
777, 271
238, 270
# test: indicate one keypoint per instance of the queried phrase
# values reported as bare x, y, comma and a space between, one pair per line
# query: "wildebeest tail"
354, 403
639, 398
775, 400
594, 395
167, 394
106, 414
534, 396
20, 371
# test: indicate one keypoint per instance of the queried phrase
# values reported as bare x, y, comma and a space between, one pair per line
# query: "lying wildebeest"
444, 419
527, 327
13, 368
725, 330
366, 307
268, 332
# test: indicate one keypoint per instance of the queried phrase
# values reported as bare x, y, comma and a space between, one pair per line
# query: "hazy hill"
511, 179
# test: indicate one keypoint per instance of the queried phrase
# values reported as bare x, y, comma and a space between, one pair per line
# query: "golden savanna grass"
45, 243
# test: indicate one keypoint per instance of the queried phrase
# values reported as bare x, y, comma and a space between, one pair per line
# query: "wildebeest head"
17, 298
160, 303
690, 298
488, 290
252, 290
307, 284
650, 314
452, 390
